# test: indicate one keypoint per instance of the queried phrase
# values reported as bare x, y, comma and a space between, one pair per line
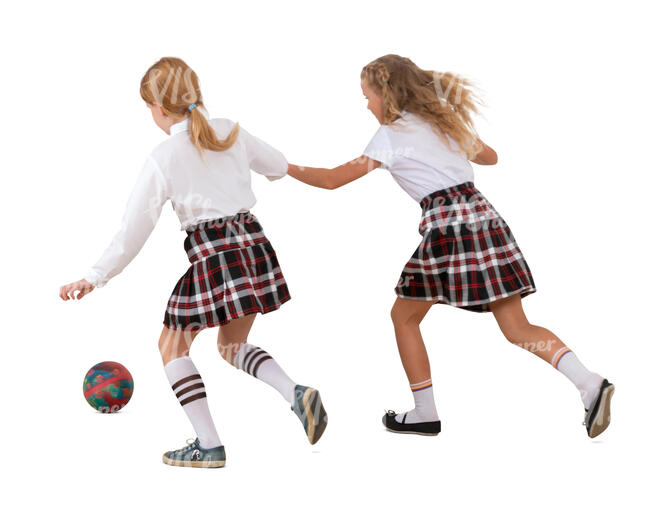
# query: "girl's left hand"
67, 291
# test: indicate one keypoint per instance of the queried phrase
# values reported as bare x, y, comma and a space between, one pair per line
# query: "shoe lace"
191, 444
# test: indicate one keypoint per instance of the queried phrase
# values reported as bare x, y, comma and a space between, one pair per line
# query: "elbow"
329, 181
486, 156
492, 157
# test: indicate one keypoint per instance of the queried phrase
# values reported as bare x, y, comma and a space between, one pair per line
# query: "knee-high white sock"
588, 383
425, 407
188, 386
258, 363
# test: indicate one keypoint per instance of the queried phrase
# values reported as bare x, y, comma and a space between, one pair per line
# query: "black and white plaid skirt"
468, 257
234, 272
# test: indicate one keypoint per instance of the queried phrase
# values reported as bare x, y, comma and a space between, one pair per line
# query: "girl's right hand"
334, 178
84, 287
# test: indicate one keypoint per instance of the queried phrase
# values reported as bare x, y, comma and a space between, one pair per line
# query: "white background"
565, 86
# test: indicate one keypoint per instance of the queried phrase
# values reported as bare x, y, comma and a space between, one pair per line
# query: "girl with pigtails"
468, 257
234, 272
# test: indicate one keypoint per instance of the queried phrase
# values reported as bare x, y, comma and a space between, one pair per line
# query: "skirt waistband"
209, 237
461, 206
462, 189
238, 217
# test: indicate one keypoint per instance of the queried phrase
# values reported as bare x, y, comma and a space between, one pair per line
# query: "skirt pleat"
234, 272
468, 256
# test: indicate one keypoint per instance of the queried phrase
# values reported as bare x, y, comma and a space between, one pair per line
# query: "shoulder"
387, 133
161, 153
219, 122
407, 121
222, 126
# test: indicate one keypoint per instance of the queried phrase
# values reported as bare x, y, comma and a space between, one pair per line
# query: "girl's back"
213, 184
417, 157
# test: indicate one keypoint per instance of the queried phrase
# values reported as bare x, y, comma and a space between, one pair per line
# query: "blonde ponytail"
203, 135
173, 85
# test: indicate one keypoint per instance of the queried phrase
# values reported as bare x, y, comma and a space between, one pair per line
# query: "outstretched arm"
336, 177
142, 213
487, 156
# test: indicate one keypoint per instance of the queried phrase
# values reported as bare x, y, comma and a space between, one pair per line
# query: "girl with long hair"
468, 257
203, 168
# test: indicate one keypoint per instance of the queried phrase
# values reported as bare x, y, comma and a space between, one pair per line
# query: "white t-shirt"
198, 189
417, 157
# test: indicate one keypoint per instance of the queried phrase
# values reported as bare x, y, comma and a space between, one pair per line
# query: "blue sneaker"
194, 456
309, 408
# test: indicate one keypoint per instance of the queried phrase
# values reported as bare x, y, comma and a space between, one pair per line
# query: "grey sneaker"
309, 409
597, 417
194, 456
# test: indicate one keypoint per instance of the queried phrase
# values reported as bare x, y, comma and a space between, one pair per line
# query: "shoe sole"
603, 414
194, 463
412, 432
312, 404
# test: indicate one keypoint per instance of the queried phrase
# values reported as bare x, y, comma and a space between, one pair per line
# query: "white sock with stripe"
188, 386
425, 407
588, 383
258, 363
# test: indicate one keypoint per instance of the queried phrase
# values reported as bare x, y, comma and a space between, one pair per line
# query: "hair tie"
191, 107
385, 81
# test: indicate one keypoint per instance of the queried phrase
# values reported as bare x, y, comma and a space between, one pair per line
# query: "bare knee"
402, 317
169, 352
175, 343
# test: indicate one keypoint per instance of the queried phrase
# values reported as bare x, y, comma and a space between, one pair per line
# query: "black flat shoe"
597, 417
425, 428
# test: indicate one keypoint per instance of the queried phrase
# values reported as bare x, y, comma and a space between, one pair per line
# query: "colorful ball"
108, 386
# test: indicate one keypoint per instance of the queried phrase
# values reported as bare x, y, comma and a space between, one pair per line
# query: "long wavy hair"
173, 85
445, 100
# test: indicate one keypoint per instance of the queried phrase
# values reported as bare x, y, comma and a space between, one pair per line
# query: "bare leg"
407, 315
232, 335
514, 325
543, 343
175, 343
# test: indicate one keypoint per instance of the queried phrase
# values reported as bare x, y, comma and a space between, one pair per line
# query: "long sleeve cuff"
93, 278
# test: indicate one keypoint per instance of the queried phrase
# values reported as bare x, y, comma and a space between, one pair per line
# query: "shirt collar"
179, 127
184, 125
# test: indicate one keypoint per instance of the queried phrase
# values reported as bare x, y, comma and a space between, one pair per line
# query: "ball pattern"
108, 386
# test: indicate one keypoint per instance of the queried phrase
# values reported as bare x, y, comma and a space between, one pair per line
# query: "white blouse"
417, 157
215, 185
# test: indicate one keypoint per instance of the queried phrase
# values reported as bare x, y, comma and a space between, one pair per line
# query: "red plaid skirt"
468, 257
234, 272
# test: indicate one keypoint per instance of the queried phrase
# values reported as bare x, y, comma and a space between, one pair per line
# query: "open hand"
67, 291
